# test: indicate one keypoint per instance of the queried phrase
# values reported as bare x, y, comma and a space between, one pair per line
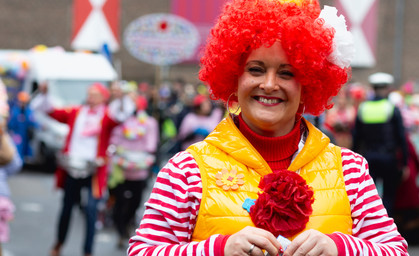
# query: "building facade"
25, 24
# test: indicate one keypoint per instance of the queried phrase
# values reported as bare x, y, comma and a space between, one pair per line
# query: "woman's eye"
286, 74
255, 70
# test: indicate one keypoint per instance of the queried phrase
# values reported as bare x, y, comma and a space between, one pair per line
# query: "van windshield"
66, 93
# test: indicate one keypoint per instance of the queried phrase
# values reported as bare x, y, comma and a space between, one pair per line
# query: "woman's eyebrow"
255, 62
258, 62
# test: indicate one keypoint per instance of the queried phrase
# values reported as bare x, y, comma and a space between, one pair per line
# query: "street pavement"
33, 230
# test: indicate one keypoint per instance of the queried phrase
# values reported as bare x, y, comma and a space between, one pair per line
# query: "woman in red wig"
266, 180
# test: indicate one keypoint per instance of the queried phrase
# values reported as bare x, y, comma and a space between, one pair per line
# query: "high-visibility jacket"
378, 130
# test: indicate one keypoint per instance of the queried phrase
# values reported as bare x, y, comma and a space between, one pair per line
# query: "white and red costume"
89, 134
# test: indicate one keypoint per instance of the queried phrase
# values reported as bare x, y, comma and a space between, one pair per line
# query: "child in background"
21, 125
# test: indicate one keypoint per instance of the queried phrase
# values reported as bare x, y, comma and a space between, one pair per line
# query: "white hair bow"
343, 42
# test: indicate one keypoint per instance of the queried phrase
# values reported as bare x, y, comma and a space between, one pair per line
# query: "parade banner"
161, 39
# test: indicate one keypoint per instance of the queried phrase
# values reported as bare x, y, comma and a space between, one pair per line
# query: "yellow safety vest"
376, 111
227, 150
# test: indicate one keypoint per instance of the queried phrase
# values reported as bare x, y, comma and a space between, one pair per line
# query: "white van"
68, 75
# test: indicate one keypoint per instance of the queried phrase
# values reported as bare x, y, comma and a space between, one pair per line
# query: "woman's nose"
270, 83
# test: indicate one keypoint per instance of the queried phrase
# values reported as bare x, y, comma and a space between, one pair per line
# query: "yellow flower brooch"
229, 179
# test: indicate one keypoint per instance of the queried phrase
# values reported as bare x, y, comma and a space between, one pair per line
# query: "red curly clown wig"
245, 25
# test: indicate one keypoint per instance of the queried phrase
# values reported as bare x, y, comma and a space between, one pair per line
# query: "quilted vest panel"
221, 210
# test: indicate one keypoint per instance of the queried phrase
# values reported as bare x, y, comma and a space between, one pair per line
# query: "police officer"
379, 135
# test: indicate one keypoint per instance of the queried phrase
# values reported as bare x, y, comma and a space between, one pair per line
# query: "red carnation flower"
285, 205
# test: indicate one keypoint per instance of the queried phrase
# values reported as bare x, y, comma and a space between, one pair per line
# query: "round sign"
161, 39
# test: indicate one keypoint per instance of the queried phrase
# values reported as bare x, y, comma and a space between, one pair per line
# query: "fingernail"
281, 252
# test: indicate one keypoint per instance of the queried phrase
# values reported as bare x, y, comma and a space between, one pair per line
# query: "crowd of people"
380, 122
276, 144
118, 138
113, 146
129, 132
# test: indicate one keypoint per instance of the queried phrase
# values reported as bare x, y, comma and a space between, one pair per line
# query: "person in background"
406, 207
115, 90
319, 122
6, 170
167, 110
21, 125
199, 122
118, 90
340, 119
10, 164
379, 135
267, 173
133, 145
357, 94
82, 162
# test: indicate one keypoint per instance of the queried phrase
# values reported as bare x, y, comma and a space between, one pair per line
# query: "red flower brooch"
285, 204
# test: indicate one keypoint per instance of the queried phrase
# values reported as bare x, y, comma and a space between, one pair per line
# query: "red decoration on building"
95, 23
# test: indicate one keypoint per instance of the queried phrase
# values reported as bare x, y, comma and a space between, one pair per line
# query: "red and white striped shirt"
171, 212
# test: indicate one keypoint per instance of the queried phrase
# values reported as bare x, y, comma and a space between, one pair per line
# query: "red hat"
199, 99
357, 92
102, 89
141, 103
143, 87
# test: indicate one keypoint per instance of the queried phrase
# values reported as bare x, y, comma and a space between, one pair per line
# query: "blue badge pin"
248, 203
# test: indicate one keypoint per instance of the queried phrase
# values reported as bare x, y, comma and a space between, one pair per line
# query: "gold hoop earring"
228, 106
301, 115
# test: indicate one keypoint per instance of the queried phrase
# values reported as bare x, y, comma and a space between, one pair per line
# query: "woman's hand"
312, 242
241, 243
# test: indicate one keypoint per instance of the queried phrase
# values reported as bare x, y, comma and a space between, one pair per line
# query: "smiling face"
268, 92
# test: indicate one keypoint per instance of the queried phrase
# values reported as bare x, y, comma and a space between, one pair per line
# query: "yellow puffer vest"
231, 169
